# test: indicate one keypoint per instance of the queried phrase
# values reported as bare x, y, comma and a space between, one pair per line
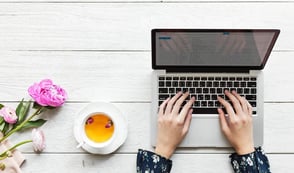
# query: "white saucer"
120, 131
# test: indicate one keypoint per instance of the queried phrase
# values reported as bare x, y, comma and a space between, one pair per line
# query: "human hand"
172, 124
238, 127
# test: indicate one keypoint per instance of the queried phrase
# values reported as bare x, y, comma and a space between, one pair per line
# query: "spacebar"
204, 110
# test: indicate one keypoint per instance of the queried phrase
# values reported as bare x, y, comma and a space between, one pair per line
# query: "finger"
162, 107
242, 101
171, 103
179, 103
186, 109
223, 122
235, 102
187, 122
249, 108
228, 107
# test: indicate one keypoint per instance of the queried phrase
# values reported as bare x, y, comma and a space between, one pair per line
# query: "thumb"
223, 121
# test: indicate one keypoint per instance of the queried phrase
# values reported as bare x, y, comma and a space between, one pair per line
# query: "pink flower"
46, 93
38, 139
8, 115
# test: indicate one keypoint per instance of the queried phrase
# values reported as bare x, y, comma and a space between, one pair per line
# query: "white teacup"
95, 144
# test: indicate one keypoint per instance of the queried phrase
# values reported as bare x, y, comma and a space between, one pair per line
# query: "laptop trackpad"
205, 132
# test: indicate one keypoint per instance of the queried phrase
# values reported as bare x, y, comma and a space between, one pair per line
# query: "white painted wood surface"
100, 51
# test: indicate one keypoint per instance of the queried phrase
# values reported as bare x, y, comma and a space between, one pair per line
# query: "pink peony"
46, 93
8, 115
38, 139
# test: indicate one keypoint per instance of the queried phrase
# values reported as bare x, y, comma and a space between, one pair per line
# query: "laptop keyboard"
206, 89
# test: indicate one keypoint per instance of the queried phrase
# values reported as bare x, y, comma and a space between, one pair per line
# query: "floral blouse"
255, 162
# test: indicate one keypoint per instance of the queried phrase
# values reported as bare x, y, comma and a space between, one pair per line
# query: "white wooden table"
100, 51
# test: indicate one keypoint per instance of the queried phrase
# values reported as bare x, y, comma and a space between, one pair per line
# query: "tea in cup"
100, 128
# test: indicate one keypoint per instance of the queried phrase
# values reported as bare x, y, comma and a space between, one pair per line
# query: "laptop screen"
211, 48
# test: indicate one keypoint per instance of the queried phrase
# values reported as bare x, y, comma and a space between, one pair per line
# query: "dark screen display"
219, 48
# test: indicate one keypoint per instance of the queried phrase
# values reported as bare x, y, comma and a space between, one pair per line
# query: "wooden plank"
131, 1
113, 76
126, 26
278, 127
126, 163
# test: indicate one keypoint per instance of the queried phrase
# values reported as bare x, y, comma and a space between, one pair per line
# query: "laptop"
206, 62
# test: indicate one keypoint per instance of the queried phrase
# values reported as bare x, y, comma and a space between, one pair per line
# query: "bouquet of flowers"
46, 95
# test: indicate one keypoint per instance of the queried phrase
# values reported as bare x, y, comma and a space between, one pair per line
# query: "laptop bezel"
210, 68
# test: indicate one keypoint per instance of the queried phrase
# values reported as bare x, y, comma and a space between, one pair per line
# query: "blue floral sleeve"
149, 162
255, 162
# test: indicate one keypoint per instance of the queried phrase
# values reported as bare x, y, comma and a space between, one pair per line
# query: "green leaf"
6, 128
37, 106
22, 111
33, 124
2, 124
1, 106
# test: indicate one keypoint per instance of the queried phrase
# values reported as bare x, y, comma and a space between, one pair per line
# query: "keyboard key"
181, 84
192, 90
212, 90
236, 84
168, 78
175, 84
162, 90
163, 96
253, 90
198, 90
251, 84
195, 84
250, 97
252, 103
203, 103
168, 84
204, 111
200, 97
161, 84
188, 84
210, 104
207, 97
202, 84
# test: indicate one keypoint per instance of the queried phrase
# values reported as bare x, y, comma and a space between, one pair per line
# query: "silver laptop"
206, 62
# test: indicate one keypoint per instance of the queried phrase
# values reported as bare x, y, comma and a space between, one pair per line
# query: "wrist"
245, 150
164, 152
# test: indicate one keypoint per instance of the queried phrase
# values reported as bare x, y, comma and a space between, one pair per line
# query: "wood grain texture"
112, 76
277, 129
76, 163
126, 26
99, 50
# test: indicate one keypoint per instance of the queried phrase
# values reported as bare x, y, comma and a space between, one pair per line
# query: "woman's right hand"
237, 125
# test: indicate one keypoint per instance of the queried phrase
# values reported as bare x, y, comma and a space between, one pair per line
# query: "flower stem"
38, 111
5, 155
